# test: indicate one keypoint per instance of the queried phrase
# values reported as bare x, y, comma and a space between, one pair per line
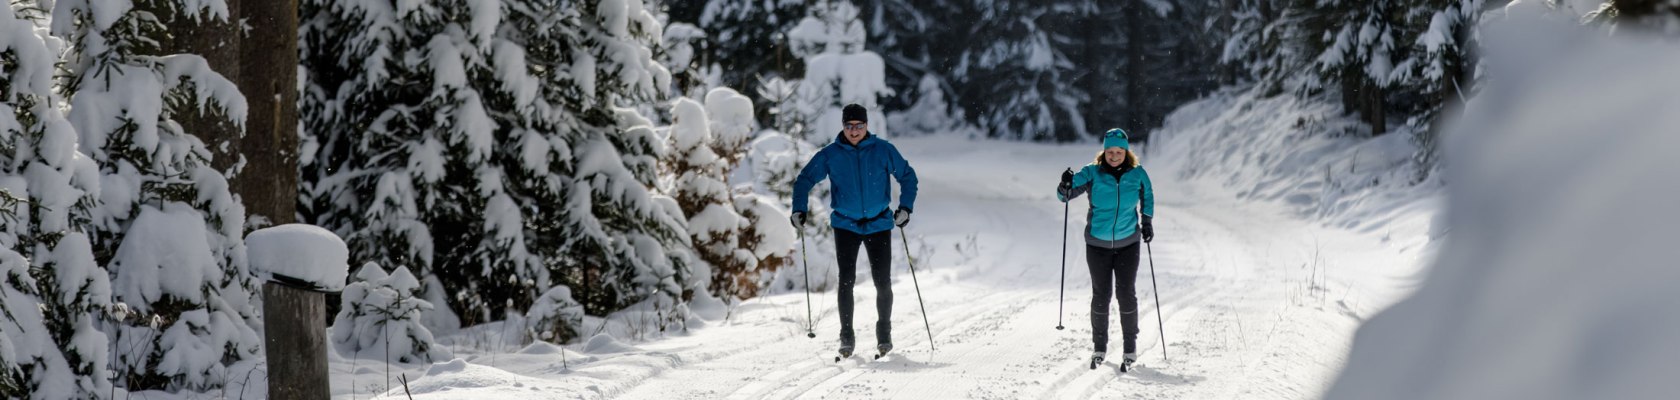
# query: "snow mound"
604, 343
303, 252
1558, 280
454, 366
708, 307
541, 347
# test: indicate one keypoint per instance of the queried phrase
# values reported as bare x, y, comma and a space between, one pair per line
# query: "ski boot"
846, 345
1097, 359
882, 349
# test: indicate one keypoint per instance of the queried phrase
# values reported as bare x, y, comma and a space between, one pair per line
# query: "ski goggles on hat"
1115, 138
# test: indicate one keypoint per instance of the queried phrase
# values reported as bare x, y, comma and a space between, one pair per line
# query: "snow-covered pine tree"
1385, 61
379, 318
167, 229
1440, 68
702, 191
838, 68
739, 233
1264, 42
1358, 45
51, 289
689, 74
745, 33
1140, 61
487, 146
912, 37
399, 136
1017, 83
764, 234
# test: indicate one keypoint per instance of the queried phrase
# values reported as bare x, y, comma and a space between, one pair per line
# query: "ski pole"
1061, 297
810, 324
905, 238
1157, 289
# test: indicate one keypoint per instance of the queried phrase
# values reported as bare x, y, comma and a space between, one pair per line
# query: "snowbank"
299, 251
1303, 153
1559, 281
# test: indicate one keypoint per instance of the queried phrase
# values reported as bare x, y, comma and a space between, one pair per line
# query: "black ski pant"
879, 246
1113, 271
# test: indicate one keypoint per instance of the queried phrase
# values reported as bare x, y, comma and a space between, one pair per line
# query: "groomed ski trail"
1243, 317
1256, 304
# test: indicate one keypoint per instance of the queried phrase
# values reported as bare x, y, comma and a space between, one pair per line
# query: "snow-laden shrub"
380, 319
555, 317
739, 233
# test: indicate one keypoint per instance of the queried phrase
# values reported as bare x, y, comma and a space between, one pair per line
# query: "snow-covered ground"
1258, 302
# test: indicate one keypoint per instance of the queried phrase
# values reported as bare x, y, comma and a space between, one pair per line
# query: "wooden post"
295, 337
301, 264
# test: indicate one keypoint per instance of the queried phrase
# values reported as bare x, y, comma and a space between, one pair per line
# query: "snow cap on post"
854, 112
299, 255
1115, 138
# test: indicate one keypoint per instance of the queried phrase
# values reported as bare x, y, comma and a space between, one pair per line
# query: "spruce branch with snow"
167, 229
494, 148
52, 292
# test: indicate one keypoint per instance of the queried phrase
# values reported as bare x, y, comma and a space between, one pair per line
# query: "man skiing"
858, 164
1119, 188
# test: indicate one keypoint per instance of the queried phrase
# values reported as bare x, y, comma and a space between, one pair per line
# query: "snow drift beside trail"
1559, 281
1301, 152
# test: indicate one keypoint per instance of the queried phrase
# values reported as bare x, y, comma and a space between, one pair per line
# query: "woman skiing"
1119, 189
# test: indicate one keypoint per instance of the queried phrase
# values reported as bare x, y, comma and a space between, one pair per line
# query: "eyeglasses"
859, 125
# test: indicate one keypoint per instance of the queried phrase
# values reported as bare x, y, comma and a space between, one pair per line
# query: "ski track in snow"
1248, 309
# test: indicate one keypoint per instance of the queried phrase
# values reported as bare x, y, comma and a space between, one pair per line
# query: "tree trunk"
295, 338
268, 66
1373, 108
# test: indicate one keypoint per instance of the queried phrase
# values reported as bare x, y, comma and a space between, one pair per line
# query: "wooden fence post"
300, 263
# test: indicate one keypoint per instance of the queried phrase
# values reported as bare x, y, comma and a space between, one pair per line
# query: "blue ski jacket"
860, 194
1117, 195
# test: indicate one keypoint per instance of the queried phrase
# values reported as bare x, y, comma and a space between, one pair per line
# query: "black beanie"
854, 112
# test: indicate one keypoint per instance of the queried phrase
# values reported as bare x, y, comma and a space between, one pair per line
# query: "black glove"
901, 217
798, 219
1148, 229
1066, 187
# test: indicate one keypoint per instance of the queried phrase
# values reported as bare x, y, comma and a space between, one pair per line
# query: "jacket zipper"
857, 165
1114, 227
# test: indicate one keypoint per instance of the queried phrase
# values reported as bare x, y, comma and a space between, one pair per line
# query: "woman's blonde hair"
1130, 157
